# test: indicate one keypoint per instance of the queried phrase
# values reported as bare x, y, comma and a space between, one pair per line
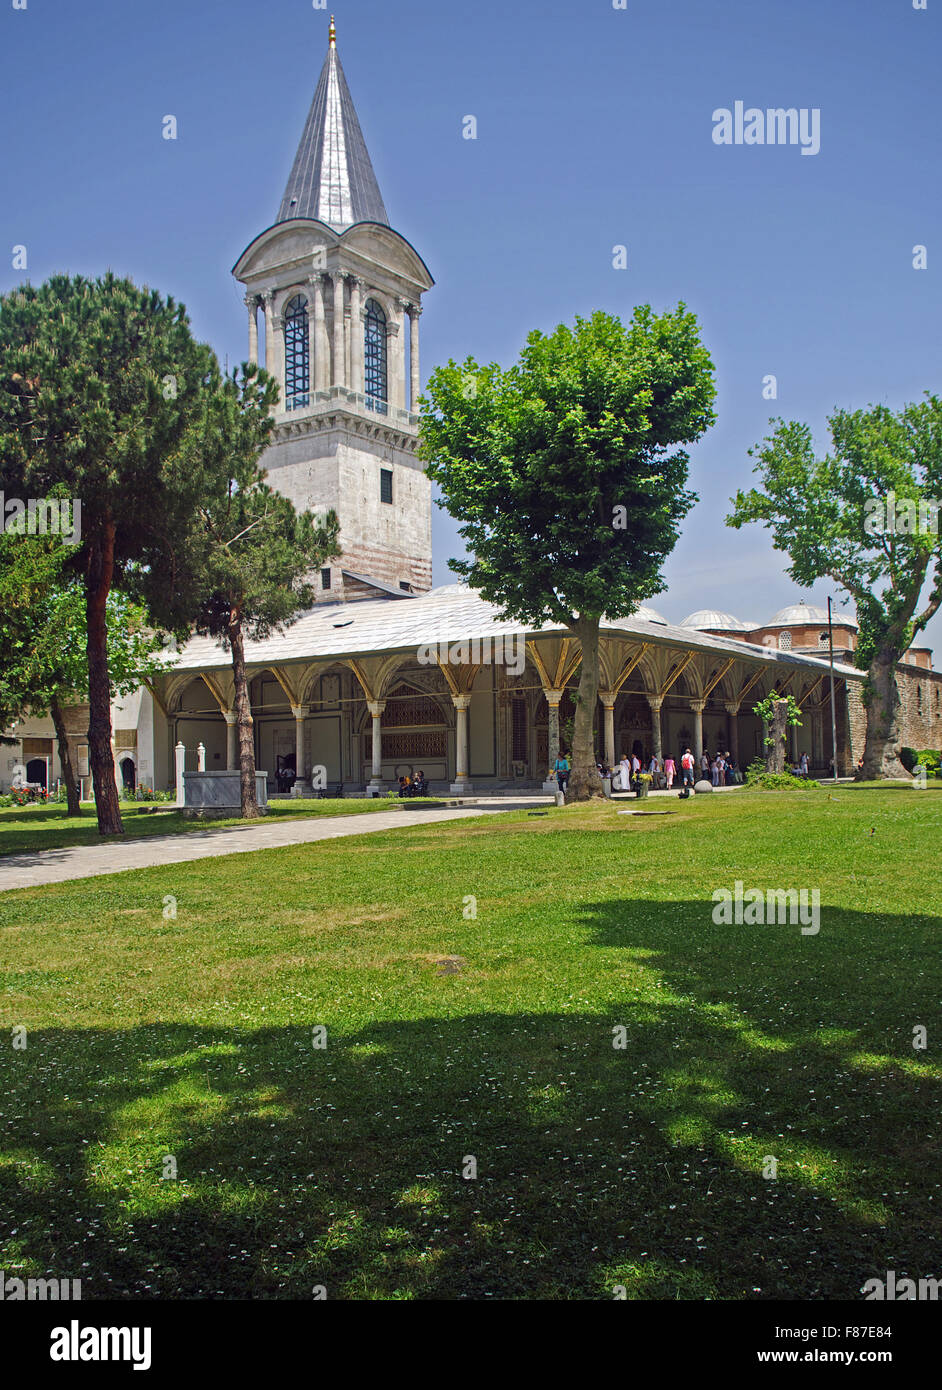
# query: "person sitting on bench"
419, 784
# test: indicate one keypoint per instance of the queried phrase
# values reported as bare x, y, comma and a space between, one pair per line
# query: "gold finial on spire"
332, 33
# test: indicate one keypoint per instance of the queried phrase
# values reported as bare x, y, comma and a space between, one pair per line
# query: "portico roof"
454, 613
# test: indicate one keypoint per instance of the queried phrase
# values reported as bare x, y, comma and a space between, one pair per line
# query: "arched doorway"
128, 774
37, 770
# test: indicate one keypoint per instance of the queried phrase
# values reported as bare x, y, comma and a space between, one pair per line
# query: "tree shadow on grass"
603, 1157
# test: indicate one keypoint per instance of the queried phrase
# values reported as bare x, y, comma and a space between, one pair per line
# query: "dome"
710, 619
798, 614
650, 615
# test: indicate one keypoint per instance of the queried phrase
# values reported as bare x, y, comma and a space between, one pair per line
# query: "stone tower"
340, 294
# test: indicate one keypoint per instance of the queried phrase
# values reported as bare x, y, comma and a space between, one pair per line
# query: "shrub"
931, 760
756, 776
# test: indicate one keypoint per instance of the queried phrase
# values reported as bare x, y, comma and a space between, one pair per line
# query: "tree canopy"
568, 474
865, 515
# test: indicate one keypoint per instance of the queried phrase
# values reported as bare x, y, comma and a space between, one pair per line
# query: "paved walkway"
91, 861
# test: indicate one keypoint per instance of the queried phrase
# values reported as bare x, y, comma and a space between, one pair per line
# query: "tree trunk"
65, 759
584, 780
881, 749
244, 728
101, 759
775, 759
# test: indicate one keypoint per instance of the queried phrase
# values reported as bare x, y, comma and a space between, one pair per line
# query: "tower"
340, 294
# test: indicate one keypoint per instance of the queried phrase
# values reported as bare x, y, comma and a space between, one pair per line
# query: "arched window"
375, 357
297, 355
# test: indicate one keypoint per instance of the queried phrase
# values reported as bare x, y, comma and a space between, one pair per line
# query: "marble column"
415, 387
251, 303
339, 349
267, 299
698, 706
655, 702
356, 335
732, 728
397, 356
608, 705
232, 747
300, 713
462, 783
321, 343
311, 292
553, 698
376, 708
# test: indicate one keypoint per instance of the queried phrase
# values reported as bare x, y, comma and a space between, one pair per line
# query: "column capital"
732, 706
655, 701
698, 706
415, 311
376, 707
608, 698
267, 297
251, 300
230, 716
300, 711
553, 697
461, 701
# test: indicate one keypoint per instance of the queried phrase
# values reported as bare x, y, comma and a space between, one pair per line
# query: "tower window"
325, 579
374, 343
297, 355
385, 485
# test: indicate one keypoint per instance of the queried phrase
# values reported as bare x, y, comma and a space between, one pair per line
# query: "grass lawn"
30, 828
452, 1037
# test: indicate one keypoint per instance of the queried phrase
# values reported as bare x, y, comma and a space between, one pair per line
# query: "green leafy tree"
779, 713
252, 551
567, 476
99, 383
866, 516
43, 664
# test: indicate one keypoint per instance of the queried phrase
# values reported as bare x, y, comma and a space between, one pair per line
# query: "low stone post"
180, 755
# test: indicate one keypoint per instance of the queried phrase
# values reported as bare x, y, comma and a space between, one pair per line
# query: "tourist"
561, 768
624, 768
803, 765
670, 772
686, 767
419, 784
705, 765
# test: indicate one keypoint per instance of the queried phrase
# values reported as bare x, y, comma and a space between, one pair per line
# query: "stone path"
37, 869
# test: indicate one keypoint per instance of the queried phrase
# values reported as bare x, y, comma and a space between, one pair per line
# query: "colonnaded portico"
349, 690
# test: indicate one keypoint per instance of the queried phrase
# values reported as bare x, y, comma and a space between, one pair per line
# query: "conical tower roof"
332, 178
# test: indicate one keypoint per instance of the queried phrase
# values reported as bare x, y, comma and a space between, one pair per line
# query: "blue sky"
594, 130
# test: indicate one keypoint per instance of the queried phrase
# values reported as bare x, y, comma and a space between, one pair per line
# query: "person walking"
670, 771
561, 768
686, 768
